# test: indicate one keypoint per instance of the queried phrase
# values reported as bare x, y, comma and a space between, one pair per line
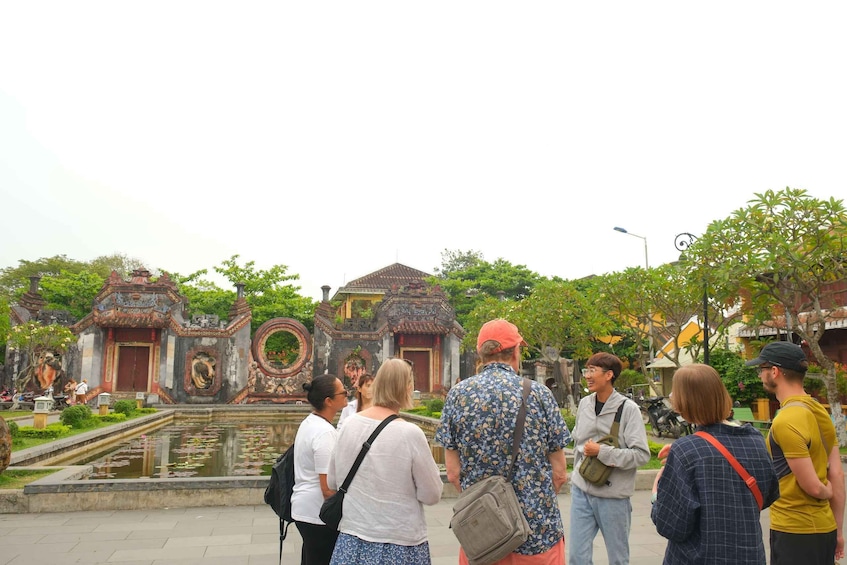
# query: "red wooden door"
133, 366
422, 369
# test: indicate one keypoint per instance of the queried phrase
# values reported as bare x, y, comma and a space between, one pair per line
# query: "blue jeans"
612, 516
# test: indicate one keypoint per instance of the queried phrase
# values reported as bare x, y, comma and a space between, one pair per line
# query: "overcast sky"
339, 137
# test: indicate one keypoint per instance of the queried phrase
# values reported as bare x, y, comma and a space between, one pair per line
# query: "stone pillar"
325, 290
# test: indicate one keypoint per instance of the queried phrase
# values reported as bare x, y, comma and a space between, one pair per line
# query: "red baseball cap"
503, 332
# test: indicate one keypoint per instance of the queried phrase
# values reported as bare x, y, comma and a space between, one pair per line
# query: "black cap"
782, 354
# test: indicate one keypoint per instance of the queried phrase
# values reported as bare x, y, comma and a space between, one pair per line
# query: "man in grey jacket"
606, 508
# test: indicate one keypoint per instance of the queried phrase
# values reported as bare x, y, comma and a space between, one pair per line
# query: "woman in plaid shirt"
701, 504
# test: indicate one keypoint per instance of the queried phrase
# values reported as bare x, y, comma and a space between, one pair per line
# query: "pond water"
186, 448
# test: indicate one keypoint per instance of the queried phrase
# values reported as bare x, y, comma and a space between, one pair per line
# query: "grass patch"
94, 423
6, 415
17, 479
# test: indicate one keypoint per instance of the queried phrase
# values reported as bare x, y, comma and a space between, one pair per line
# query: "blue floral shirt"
478, 421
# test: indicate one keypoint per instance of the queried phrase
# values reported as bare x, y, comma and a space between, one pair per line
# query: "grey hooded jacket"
632, 453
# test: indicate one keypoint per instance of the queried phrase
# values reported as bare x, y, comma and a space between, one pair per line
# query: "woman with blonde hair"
701, 504
383, 519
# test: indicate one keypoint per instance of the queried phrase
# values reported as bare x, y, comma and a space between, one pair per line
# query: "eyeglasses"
596, 370
344, 392
761, 368
407, 361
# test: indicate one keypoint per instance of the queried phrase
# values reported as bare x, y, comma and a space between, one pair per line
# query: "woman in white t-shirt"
313, 446
383, 519
363, 399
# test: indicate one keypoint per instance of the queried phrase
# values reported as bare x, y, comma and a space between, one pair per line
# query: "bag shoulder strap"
519, 424
364, 451
820, 431
616, 425
748, 479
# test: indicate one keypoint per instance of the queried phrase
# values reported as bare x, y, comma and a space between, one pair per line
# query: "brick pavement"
242, 535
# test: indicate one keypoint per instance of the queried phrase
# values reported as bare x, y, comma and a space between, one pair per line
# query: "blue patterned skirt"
351, 550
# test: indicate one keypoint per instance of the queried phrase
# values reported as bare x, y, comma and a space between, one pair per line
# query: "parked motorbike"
663, 419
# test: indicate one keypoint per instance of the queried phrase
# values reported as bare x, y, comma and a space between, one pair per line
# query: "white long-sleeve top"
397, 477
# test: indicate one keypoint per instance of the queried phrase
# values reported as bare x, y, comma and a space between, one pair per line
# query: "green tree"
204, 296
468, 280
71, 291
268, 293
786, 252
742, 383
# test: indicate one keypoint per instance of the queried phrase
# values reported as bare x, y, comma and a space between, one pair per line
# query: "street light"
682, 242
646, 267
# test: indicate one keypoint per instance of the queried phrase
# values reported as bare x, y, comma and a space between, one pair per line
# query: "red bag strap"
748, 479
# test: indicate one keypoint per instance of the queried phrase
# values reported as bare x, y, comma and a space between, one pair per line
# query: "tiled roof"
409, 327
385, 278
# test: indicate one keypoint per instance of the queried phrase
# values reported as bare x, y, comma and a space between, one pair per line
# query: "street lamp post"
682, 242
646, 267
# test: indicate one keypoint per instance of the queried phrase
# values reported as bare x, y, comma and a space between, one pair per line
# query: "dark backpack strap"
519, 424
616, 425
364, 451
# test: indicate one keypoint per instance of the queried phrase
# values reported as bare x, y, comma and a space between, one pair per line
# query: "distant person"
476, 430
807, 520
701, 504
362, 400
313, 446
80, 391
605, 508
383, 519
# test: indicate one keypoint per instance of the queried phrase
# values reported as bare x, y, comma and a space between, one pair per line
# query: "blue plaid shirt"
704, 509
478, 421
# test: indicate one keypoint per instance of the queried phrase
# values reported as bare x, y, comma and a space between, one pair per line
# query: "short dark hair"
319, 390
606, 361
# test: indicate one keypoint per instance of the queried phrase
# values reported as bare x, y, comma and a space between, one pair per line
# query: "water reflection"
188, 448
195, 449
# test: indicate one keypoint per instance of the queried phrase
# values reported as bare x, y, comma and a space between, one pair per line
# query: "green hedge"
52, 431
146, 411
113, 417
13, 429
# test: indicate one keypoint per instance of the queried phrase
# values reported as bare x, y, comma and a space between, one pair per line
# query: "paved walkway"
242, 535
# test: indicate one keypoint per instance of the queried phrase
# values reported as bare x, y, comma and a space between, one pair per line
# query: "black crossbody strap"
364, 451
516, 440
616, 425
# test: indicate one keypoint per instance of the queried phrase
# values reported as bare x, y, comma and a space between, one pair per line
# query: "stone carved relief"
202, 377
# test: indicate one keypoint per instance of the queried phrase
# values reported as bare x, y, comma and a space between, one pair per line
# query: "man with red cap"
477, 426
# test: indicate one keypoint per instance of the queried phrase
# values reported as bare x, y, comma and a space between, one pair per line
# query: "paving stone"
210, 541
170, 553
252, 549
135, 526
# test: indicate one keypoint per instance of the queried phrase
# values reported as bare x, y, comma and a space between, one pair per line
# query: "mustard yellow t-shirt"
796, 433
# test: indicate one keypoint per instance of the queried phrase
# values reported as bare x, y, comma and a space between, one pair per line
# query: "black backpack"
278, 492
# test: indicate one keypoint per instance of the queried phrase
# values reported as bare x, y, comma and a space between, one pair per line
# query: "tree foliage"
786, 253
469, 281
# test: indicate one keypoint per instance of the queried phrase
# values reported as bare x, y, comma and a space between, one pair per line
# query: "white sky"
339, 137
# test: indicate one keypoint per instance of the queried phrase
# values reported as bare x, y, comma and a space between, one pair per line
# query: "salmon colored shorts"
553, 556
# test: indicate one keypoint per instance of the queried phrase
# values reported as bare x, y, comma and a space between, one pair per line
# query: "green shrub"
126, 407
420, 410
434, 405
78, 416
570, 418
52, 431
13, 429
654, 448
436, 415
113, 417
150, 410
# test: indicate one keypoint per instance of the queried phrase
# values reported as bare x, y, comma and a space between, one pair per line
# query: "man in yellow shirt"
806, 520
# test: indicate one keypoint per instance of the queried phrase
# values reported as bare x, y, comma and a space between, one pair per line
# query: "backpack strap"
823, 442
519, 424
616, 425
748, 479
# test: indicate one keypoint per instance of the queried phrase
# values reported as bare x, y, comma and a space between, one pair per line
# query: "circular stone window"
282, 346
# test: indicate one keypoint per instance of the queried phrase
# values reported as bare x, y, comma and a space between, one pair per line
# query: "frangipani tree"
786, 252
